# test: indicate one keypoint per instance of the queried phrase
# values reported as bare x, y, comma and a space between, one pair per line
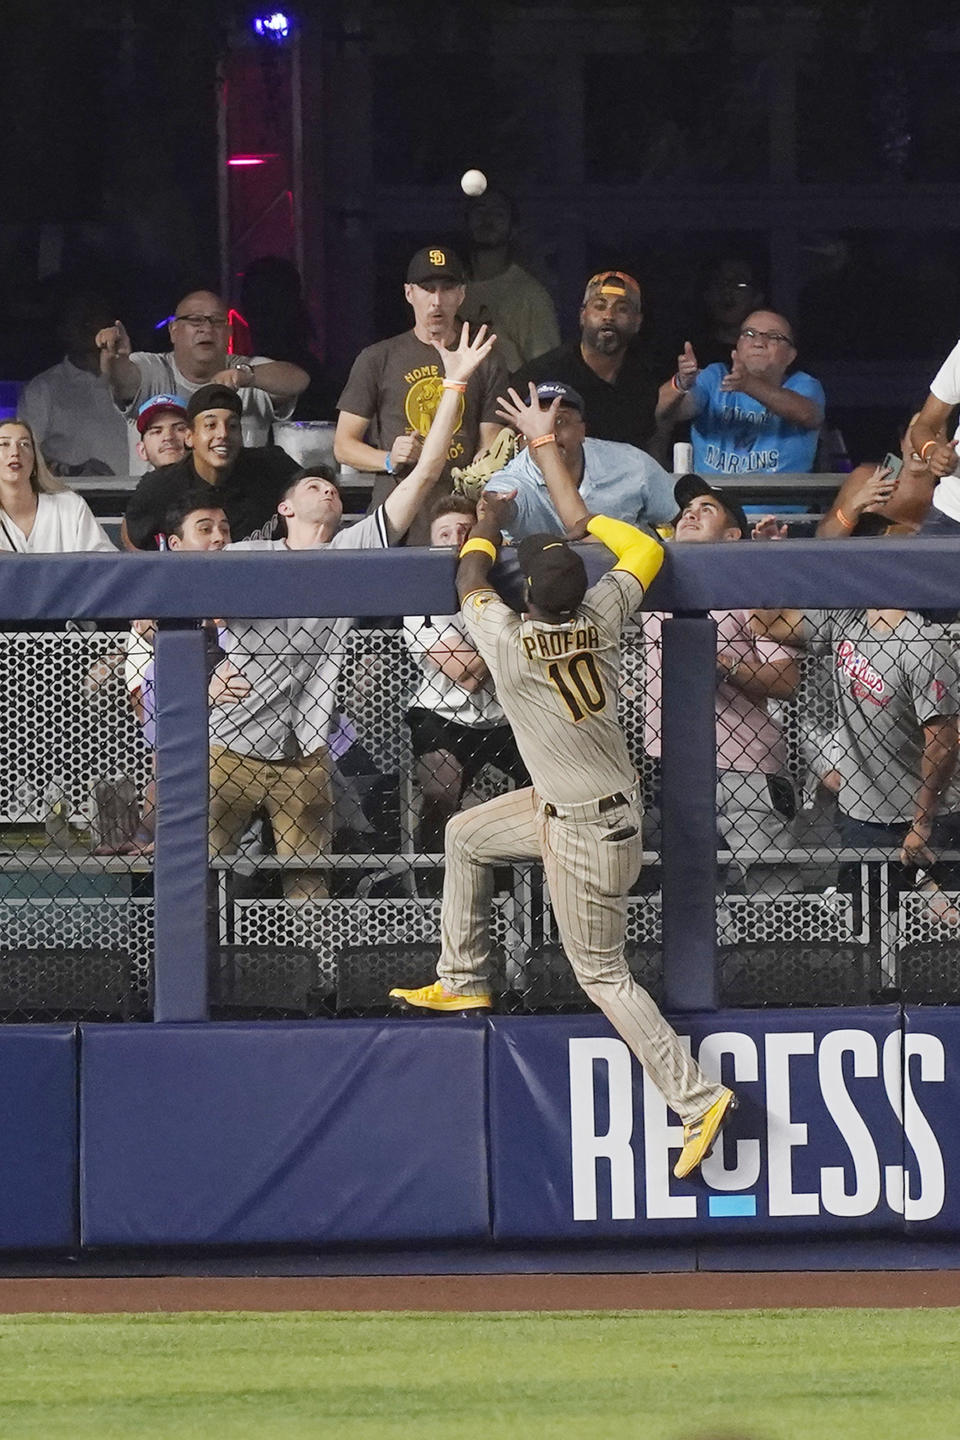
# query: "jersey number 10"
578, 681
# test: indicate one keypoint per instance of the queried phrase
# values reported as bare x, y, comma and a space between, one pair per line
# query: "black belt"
609, 802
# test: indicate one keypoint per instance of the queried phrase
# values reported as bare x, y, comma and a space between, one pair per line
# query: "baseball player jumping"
556, 670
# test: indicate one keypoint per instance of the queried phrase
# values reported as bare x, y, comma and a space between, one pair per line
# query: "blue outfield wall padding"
931, 1107
582, 1145
38, 1137
180, 869
327, 1133
689, 812
916, 574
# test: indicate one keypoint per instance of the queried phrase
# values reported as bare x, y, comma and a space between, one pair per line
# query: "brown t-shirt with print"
397, 383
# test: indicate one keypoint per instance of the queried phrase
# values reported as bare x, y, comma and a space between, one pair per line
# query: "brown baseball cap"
436, 262
556, 576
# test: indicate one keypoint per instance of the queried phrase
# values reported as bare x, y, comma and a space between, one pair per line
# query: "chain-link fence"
338, 753
76, 894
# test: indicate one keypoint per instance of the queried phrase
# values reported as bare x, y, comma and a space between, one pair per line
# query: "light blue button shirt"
618, 480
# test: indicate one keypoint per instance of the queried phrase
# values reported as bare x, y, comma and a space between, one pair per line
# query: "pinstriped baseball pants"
589, 877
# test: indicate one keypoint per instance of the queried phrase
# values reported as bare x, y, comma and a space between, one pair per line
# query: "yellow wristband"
479, 546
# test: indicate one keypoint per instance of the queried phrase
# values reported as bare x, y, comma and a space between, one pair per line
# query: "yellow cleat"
436, 997
699, 1137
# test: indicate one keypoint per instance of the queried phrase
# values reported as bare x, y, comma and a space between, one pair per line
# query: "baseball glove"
471, 479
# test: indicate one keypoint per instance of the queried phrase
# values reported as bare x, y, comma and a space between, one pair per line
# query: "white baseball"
473, 182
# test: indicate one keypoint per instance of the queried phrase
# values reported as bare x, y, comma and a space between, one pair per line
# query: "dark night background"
818, 141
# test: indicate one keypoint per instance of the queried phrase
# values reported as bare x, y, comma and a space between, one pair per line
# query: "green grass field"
766, 1375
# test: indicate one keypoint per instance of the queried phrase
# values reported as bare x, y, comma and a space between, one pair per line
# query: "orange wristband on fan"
847, 524
539, 440
460, 385
924, 448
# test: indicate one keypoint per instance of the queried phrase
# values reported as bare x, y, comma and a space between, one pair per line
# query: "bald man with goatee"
200, 334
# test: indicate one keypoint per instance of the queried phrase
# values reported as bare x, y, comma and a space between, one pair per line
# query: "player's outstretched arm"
402, 504
537, 428
637, 553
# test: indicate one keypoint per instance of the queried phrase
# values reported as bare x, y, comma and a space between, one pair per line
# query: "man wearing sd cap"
394, 387
608, 363
556, 669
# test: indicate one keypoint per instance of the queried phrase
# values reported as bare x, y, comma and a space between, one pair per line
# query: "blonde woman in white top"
38, 514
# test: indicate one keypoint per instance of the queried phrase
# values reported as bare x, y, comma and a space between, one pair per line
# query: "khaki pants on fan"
589, 873
296, 794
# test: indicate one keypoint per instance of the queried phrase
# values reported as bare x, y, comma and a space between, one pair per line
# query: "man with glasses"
749, 417
199, 331
607, 363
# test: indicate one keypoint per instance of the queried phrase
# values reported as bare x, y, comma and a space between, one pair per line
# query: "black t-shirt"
249, 495
623, 410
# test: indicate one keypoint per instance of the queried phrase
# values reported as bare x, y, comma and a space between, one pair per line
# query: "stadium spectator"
271, 749
456, 723
248, 482
928, 438
192, 523
754, 793
500, 293
607, 363
70, 408
38, 514
163, 426
897, 691
394, 387
199, 331
874, 500
614, 479
751, 416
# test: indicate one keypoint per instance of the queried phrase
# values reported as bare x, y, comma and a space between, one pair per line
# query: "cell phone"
893, 463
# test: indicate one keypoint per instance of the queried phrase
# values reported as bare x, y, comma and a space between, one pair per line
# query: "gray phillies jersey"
293, 666
558, 687
888, 684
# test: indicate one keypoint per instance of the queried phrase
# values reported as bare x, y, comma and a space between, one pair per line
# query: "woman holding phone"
891, 498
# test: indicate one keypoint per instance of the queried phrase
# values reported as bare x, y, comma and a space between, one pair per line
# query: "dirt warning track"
700, 1290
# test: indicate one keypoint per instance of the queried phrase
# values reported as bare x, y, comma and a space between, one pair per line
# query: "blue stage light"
274, 25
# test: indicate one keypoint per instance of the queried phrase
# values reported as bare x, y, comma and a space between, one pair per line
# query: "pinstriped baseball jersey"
557, 684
